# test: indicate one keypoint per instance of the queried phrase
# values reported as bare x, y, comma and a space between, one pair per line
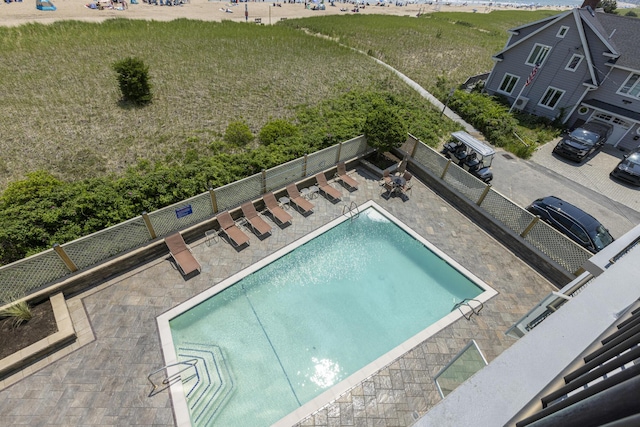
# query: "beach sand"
13, 14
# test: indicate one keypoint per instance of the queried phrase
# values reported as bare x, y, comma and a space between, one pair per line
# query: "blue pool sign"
184, 211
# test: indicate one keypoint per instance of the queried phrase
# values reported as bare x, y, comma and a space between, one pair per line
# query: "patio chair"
258, 225
328, 190
230, 229
408, 184
303, 205
341, 174
182, 254
278, 214
386, 178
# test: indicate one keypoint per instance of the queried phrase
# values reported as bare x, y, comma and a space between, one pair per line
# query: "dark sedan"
583, 141
572, 222
629, 169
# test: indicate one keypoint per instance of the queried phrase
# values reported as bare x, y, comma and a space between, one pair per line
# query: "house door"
620, 127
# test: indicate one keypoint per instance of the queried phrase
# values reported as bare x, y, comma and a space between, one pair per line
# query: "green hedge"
42, 210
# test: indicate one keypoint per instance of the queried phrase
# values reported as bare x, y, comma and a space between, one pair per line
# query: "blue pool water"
284, 334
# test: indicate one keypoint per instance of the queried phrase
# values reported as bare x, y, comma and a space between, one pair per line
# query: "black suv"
573, 222
629, 168
583, 141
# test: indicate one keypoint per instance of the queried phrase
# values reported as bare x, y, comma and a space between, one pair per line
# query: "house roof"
625, 33
619, 34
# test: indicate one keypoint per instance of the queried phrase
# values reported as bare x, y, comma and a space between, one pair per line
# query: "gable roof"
601, 25
624, 32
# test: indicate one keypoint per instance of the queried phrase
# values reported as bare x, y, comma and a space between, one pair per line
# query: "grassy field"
450, 45
59, 94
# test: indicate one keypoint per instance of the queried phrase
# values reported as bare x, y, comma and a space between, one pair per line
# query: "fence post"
304, 166
533, 222
214, 202
415, 147
264, 181
444, 171
65, 258
338, 153
147, 222
483, 195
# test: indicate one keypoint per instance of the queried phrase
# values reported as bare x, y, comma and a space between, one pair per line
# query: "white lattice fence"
321, 160
22, 277
353, 148
236, 193
506, 211
177, 217
464, 182
104, 244
430, 159
556, 246
282, 175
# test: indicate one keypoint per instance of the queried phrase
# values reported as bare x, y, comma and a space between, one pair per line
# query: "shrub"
20, 312
384, 128
277, 129
238, 133
133, 79
487, 115
631, 14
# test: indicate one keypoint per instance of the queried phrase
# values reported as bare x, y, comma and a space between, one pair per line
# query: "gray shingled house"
578, 66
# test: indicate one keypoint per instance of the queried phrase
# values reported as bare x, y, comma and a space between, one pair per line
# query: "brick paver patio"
102, 378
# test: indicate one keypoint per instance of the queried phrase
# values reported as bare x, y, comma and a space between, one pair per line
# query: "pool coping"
178, 398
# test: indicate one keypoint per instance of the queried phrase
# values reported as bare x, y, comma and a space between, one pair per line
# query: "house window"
551, 97
538, 54
562, 32
574, 62
508, 83
632, 86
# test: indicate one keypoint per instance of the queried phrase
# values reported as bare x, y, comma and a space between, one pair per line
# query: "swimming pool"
291, 333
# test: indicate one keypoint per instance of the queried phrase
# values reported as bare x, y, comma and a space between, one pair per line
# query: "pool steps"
212, 373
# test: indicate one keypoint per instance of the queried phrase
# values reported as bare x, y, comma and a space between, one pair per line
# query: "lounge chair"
259, 225
341, 174
303, 205
182, 254
231, 230
328, 190
275, 210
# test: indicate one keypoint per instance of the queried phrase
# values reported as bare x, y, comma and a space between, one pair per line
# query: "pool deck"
102, 378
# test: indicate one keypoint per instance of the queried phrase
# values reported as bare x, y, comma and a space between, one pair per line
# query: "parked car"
573, 222
629, 168
580, 143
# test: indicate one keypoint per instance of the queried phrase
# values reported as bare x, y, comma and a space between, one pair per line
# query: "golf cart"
470, 154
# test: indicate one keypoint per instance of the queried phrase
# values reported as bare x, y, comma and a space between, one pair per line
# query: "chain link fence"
23, 277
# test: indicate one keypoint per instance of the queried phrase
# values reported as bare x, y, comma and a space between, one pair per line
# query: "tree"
133, 78
609, 6
384, 128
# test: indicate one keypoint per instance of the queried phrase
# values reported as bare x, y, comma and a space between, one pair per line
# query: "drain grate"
507, 156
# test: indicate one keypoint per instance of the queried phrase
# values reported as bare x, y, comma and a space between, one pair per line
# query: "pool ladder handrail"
466, 302
191, 363
349, 210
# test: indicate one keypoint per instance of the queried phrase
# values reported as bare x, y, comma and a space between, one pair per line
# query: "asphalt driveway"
586, 185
